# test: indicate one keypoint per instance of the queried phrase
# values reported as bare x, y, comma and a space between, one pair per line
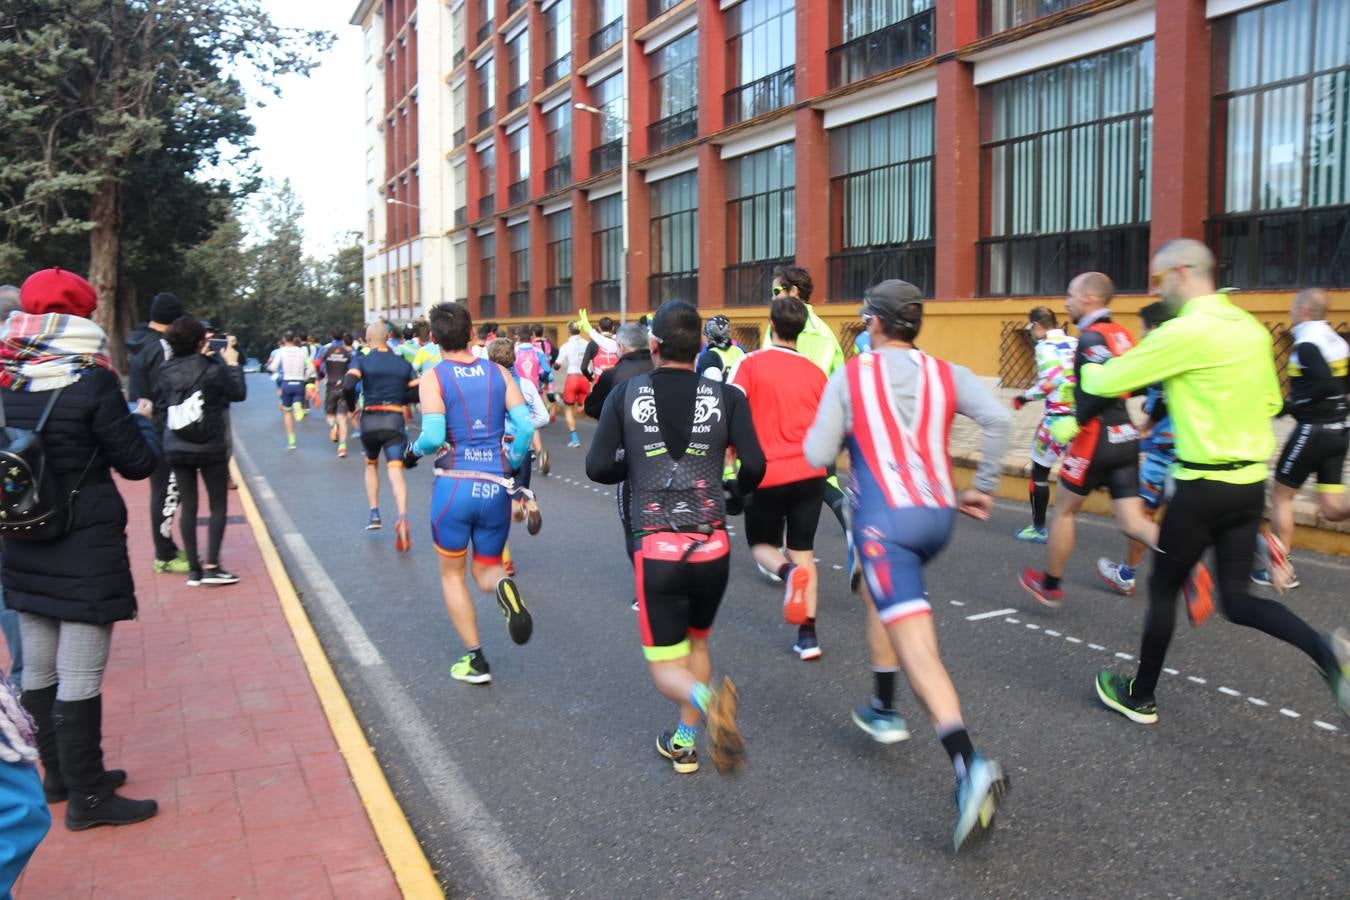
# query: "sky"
314, 133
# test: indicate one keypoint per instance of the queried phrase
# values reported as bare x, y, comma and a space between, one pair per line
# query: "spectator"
197, 390
24, 817
71, 589
635, 359
9, 619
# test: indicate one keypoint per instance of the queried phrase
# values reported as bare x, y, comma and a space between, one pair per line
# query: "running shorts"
1314, 448
893, 547
680, 579
383, 431
1102, 456
334, 402
575, 390
1155, 475
792, 509
292, 392
1044, 450
468, 512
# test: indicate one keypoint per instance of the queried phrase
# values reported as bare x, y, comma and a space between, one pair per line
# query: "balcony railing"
517, 95
512, 6
672, 286
558, 299
606, 37
854, 271
520, 302
748, 284
458, 57
604, 296
461, 216
1000, 15
606, 157
882, 50
487, 306
557, 70
485, 117
484, 32
518, 192
672, 130
758, 97
656, 7
460, 136
558, 175
487, 206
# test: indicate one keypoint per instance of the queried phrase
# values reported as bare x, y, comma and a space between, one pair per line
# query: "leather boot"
79, 744
39, 706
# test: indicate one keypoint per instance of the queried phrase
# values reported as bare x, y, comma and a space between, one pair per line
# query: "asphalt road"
546, 783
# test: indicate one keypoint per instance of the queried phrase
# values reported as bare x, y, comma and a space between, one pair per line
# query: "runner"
468, 401
575, 385
385, 378
1102, 451
1215, 362
290, 364
1319, 378
333, 363
722, 354
531, 364
1054, 385
523, 508
603, 350
1158, 446
893, 409
673, 428
551, 354
784, 390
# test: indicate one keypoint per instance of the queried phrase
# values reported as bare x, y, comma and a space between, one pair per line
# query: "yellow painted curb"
404, 854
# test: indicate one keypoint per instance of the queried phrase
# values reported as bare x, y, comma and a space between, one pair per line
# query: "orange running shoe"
794, 595
402, 536
1199, 595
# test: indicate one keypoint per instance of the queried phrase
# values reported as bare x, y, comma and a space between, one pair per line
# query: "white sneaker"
1110, 573
772, 576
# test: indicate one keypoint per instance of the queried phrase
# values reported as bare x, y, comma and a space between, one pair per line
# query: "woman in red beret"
69, 590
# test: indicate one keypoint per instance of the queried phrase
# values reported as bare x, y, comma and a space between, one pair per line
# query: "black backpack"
33, 504
185, 410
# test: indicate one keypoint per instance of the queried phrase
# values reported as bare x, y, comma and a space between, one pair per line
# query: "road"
546, 783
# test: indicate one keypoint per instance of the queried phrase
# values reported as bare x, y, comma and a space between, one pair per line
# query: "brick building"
979, 148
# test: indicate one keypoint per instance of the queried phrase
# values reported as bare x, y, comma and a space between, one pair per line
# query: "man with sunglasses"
1217, 368
892, 408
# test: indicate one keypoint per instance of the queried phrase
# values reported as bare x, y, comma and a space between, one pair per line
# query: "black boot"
79, 743
39, 706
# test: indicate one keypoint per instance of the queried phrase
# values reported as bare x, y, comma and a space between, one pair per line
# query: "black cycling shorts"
680, 582
1102, 456
384, 431
335, 402
792, 509
1314, 448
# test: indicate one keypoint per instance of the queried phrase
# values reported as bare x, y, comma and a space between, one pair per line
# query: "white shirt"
571, 354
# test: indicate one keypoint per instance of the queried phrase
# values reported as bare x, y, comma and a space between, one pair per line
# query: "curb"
404, 854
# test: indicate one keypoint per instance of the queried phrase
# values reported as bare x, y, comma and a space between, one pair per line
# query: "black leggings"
1040, 493
217, 478
1225, 516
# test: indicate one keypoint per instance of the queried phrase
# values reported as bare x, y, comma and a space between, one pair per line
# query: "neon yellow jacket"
817, 342
1218, 372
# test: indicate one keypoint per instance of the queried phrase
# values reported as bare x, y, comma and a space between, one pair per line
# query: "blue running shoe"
883, 727
977, 799
1033, 535
374, 523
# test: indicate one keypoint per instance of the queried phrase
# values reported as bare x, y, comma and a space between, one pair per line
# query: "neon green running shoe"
298, 410
1116, 692
464, 670
176, 566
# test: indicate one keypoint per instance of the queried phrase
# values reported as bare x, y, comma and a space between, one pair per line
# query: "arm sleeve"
538, 411
742, 432
1159, 356
826, 437
433, 433
603, 464
524, 426
126, 441
977, 402
349, 386
591, 350
1088, 404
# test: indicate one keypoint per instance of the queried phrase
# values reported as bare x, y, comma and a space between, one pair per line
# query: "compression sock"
290, 440
783, 571
883, 688
807, 627
1051, 581
956, 741
477, 659
1126, 572
1040, 502
699, 697
685, 735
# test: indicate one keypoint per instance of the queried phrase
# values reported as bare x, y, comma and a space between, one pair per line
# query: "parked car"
252, 365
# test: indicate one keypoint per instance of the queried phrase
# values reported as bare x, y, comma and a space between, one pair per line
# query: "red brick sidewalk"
209, 708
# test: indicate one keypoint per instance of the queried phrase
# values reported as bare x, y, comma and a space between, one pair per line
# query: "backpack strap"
46, 412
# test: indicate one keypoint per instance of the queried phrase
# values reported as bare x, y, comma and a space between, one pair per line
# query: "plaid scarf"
43, 353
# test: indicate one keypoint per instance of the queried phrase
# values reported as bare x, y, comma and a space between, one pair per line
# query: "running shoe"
794, 595
574, 441
342, 451
217, 575
1110, 573
179, 565
374, 523
724, 739
464, 670
402, 536
1033, 583
332, 433
1114, 690
977, 798
1276, 570
518, 510
290, 443
518, 622
683, 759
807, 646
634, 607
1033, 535
772, 576
298, 410
194, 577
544, 467
1339, 678
1198, 593
1261, 578
534, 520
882, 726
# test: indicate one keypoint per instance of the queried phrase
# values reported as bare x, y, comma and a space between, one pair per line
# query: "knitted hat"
165, 309
57, 291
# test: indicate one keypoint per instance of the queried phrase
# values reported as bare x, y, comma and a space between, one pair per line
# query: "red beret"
57, 291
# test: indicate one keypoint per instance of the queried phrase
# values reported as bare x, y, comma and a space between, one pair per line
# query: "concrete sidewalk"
210, 708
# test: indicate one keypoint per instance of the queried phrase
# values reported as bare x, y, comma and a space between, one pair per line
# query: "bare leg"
915, 641
1333, 505
879, 649
570, 416
768, 556
1133, 519
457, 600
1135, 554
1062, 532
400, 485
342, 425
373, 484
1282, 512
675, 680
289, 421
486, 577
806, 559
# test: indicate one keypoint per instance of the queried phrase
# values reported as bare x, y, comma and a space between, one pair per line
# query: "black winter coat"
221, 385
84, 576
629, 364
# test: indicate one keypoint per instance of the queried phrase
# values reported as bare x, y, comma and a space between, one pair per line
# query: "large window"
606, 252
487, 179
1282, 145
459, 252
458, 120
558, 294
880, 35
607, 96
761, 53
674, 93
607, 19
459, 34
518, 69
558, 42
487, 274
518, 165
519, 236
558, 147
1000, 15
485, 24
761, 221
1067, 161
881, 201
458, 178
487, 94
674, 240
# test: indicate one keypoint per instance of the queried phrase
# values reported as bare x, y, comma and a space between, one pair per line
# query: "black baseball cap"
887, 299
